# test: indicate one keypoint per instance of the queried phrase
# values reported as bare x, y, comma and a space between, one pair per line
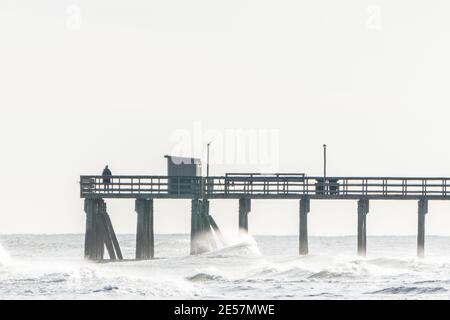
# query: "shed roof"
183, 160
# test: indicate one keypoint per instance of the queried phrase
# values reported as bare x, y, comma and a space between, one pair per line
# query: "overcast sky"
85, 83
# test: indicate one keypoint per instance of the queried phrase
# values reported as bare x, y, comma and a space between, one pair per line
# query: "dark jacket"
106, 172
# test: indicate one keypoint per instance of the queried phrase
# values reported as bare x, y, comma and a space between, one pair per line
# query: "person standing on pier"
106, 181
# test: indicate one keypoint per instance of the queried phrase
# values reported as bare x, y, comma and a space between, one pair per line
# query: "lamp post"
324, 166
207, 159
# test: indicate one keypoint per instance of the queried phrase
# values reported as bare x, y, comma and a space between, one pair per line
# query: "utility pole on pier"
324, 162
207, 159
324, 168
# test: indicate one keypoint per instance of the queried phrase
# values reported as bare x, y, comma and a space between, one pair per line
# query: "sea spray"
244, 246
247, 241
53, 267
5, 258
240, 239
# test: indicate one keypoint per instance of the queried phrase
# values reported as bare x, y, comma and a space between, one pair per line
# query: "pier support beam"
422, 211
244, 209
363, 210
145, 247
202, 238
93, 241
99, 232
195, 213
217, 231
303, 233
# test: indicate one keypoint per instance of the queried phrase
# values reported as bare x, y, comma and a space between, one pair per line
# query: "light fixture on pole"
207, 159
324, 162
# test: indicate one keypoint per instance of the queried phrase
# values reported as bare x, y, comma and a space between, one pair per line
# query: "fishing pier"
205, 233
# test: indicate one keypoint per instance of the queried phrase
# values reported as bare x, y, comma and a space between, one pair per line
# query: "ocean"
263, 267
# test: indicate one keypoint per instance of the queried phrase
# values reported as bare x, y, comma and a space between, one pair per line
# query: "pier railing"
260, 186
130, 186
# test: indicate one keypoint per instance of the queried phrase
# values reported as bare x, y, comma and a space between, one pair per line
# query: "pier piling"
363, 210
303, 232
194, 225
113, 237
202, 238
106, 232
99, 232
145, 247
93, 246
422, 211
244, 210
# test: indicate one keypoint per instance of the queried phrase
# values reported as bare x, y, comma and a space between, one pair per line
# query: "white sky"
375, 88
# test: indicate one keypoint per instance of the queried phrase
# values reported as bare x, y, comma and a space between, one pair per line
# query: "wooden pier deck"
245, 187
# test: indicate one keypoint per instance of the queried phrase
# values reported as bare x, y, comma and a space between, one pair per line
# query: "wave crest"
409, 290
246, 249
203, 276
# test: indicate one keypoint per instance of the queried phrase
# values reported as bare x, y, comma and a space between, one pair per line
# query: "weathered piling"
363, 210
99, 232
202, 238
93, 246
194, 225
107, 239
244, 210
113, 237
216, 229
303, 232
422, 211
145, 247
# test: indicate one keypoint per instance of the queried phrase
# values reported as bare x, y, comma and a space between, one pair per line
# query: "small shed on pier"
181, 171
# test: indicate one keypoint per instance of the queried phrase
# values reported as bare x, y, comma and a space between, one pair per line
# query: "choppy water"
267, 267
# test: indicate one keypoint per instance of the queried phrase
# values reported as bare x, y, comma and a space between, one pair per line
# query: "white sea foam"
263, 267
5, 258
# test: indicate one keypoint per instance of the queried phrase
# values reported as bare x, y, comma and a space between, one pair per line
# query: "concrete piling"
244, 210
363, 210
422, 211
145, 247
303, 232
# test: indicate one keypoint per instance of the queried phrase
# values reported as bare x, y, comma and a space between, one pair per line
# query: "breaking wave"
325, 274
245, 249
48, 266
203, 276
410, 290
